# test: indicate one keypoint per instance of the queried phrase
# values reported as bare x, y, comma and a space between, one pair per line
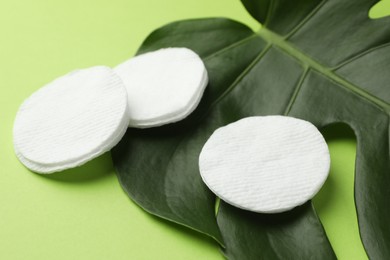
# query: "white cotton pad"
265, 164
71, 120
163, 86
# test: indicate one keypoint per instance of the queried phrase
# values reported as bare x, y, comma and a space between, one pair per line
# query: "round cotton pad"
71, 120
163, 86
265, 164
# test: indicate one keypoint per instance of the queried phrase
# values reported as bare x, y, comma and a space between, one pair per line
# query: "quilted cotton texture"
163, 86
71, 120
265, 164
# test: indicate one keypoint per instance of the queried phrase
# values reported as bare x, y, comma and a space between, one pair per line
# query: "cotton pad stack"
71, 120
84, 114
163, 86
265, 164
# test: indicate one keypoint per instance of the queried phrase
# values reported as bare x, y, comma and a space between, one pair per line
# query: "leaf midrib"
308, 62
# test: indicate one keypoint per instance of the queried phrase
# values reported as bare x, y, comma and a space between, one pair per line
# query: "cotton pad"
265, 164
163, 86
71, 120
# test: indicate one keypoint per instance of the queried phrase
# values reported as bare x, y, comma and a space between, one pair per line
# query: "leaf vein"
296, 91
306, 60
230, 46
306, 19
360, 55
269, 12
241, 76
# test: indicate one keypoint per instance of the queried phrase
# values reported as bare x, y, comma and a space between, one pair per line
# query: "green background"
83, 213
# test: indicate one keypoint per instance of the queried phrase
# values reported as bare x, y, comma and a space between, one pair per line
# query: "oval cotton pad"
265, 164
163, 86
71, 120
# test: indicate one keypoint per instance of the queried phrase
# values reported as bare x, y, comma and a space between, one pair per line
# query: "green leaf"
322, 61
295, 234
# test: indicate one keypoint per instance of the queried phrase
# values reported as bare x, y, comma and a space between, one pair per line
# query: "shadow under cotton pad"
163, 86
71, 120
265, 164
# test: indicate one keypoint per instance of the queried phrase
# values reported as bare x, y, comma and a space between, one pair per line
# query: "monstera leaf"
323, 61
